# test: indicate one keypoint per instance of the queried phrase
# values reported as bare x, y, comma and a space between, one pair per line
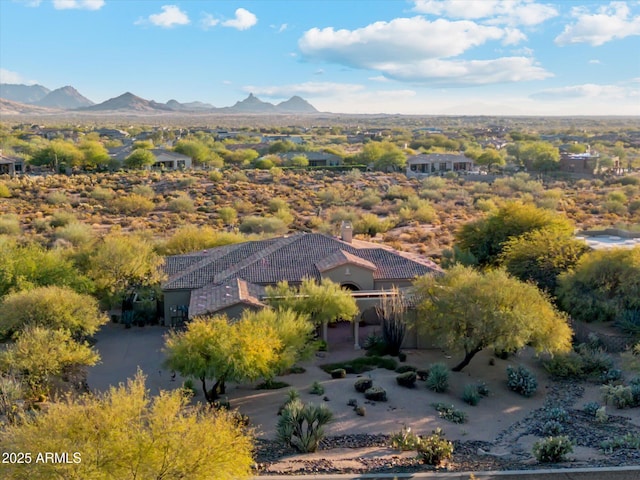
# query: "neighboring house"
112, 133
297, 139
232, 278
165, 159
586, 163
11, 165
316, 159
437, 164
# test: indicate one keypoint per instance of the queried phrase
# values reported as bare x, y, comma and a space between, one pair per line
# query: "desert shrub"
629, 441
301, 426
144, 191
363, 384
61, 218
292, 395
552, 449
407, 379
471, 395
316, 389
450, 413
255, 224
570, 365
216, 176
376, 394
102, 194
57, 198
361, 410
595, 361
482, 388
370, 224
374, 344
404, 440
591, 408
4, 191
228, 215
620, 396
611, 376
362, 364
402, 356
551, 428
9, 225
558, 414
189, 387
181, 204
132, 204
438, 377
352, 402
405, 369
601, 415
339, 373
369, 201
76, 233
271, 384
422, 374
434, 449
521, 381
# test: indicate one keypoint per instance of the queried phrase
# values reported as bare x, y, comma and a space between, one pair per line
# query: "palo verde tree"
603, 286
127, 434
50, 307
40, 354
541, 256
485, 238
470, 310
325, 302
140, 158
258, 345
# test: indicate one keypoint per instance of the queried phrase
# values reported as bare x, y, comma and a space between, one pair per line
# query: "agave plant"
301, 425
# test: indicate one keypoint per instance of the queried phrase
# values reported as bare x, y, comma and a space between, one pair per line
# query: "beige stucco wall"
234, 312
172, 299
359, 276
389, 284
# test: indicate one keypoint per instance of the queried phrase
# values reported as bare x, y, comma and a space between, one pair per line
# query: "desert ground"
497, 426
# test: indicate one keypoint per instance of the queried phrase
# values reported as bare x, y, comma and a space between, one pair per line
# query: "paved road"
622, 473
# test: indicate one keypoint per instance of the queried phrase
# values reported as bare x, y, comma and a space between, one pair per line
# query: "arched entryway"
350, 286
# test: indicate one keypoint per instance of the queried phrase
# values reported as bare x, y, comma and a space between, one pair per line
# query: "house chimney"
346, 231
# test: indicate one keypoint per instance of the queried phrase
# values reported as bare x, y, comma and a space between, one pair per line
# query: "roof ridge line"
221, 276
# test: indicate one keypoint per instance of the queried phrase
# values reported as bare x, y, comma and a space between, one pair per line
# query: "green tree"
540, 256
121, 262
241, 157
191, 239
95, 155
490, 157
603, 285
541, 156
40, 354
325, 302
127, 434
140, 158
299, 161
31, 265
470, 310
58, 153
485, 238
50, 307
199, 152
214, 348
383, 155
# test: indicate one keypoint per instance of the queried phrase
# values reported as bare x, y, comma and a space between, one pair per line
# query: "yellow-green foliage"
132, 204
50, 307
191, 238
126, 433
470, 310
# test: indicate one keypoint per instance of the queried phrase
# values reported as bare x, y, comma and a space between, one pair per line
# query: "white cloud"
610, 22
595, 61
209, 21
513, 36
401, 39
589, 91
316, 89
466, 72
509, 12
280, 28
29, 3
78, 4
379, 78
7, 76
244, 20
170, 17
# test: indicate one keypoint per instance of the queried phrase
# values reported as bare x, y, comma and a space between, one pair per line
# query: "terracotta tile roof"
213, 298
290, 258
341, 258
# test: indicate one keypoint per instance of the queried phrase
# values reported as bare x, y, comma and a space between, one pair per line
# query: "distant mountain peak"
66, 97
296, 104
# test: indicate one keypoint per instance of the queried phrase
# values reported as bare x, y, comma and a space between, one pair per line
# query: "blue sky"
376, 56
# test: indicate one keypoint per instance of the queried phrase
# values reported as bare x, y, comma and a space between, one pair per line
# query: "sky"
457, 57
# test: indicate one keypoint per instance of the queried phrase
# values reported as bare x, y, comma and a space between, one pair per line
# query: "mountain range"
68, 98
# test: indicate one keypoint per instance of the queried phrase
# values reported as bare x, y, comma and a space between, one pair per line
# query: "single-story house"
425, 164
165, 159
11, 165
586, 163
232, 278
316, 159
